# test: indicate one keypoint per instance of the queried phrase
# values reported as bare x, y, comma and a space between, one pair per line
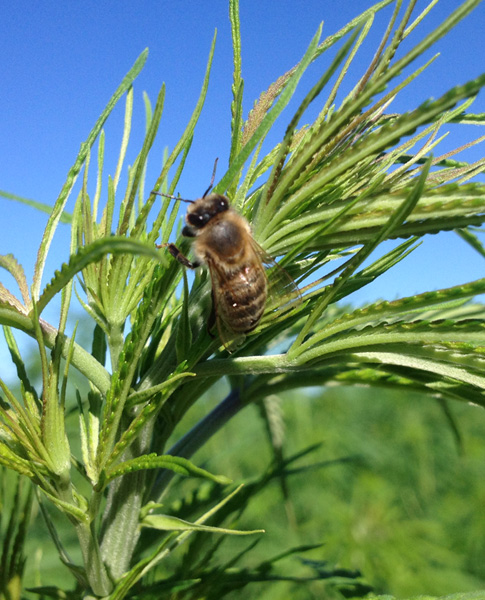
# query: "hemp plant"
321, 202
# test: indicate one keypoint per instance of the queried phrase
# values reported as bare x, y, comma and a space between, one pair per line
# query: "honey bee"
240, 283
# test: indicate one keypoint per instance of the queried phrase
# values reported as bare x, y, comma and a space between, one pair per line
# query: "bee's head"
201, 211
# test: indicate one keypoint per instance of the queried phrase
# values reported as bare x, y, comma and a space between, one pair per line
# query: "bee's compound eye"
223, 204
198, 219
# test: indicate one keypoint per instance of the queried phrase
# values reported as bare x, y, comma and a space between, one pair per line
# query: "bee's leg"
175, 252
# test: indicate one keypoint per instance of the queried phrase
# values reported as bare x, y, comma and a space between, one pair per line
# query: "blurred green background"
408, 509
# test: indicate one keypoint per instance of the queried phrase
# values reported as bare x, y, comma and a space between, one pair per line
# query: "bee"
222, 240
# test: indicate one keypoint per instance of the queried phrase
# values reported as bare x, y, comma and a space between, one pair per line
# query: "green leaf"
168, 523
10, 263
272, 197
51, 591
90, 254
479, 595
174, 463
19, 363
271, 116
17, 514
472, 239
238, 83
183, 340
46, 208
58, 208
182, 146
395, 220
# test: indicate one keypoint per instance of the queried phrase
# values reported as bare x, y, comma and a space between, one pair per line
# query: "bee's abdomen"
243, 298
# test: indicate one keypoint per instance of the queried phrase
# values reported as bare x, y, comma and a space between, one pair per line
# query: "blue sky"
60, 63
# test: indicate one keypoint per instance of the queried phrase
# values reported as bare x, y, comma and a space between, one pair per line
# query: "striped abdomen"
240, 295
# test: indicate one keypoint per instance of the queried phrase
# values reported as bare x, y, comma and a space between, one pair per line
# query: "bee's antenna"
173, 197
191, 201
212, 178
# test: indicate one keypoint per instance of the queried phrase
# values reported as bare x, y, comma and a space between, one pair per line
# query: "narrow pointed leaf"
169, 523
90, 254
58, 208
174, 463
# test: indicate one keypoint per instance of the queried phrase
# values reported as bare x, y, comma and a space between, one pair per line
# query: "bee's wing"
230, 339
283, 293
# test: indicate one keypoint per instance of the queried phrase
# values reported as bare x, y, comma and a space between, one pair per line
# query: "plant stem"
200, 434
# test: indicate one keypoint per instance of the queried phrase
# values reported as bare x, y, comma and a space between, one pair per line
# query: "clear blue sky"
61, 61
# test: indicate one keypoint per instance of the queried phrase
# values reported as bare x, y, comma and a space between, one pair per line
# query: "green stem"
199, 435
245, 365
121, 531
115, 342
81, 359
121, 517
95, 569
